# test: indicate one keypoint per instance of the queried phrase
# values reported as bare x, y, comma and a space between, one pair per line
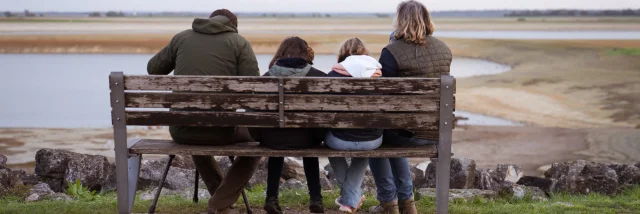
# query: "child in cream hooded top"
353, 61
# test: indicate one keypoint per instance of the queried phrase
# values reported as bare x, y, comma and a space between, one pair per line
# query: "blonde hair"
413, 22
353, 46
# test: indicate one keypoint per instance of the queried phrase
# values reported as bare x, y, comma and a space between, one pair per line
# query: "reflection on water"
71, 90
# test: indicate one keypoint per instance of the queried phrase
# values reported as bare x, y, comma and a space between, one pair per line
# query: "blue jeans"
393, 178
350, 177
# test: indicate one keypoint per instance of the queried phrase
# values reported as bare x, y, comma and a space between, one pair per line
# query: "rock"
419, 179
3, 162
460, 194
508, 173
293, 169
597, 177
92, 170
52, 163
627, 174
110, 181
564, 176
25, 179
485, 180
55, 184
531, 181
182, 161
325, 182
559, 170
462, 174
177, 178
5, 181
638, 165
260, 175
39, 192
368, 183
515, 191
293, 184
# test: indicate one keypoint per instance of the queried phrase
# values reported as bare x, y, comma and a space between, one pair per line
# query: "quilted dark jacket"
430, 60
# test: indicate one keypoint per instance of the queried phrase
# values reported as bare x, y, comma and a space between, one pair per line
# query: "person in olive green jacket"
212, 47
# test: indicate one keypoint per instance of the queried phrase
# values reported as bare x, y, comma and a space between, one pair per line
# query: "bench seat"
168, 147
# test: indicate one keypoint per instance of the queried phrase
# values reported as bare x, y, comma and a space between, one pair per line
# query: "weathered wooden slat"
293, 102
292, 119
220, 84
291, 84
198, 118
385, 103
253, 149
363, 85
362, 120
202, 101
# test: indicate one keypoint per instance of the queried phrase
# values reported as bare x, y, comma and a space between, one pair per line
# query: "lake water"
71, 90
474, 34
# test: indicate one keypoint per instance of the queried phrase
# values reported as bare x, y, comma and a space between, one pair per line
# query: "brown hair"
293, 47
228, 14
413, 22
353, 46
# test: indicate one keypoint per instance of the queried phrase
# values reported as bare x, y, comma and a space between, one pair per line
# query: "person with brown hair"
294, 58
412, 52
212, 47
353, 61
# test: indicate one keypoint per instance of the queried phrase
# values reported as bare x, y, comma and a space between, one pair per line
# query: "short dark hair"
228, 14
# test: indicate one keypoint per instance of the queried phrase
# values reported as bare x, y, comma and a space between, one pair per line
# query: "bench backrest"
289, 102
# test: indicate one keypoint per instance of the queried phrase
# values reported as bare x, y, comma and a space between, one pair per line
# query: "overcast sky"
303, 5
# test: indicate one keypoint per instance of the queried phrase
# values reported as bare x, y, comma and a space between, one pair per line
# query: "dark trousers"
311, 171
224, 189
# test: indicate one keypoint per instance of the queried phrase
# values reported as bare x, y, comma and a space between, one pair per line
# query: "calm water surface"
71, 90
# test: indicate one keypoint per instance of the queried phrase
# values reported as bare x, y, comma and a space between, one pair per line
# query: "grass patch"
297, 200
624, 52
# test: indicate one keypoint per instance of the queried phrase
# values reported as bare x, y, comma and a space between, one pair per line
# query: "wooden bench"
425, 104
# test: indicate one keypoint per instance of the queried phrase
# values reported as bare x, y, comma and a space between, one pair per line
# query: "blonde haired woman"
413, 52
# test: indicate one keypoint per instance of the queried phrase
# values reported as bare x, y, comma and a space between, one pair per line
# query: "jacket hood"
213, 25
359, 66
290, 67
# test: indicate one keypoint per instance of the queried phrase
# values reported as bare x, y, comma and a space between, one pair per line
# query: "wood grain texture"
147, 146
363, 85
293, 102
291, 84
220, 84
427, 121
199, 118
204, 101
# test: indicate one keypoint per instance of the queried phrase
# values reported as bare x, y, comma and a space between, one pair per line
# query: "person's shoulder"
335, 74
316, 73
438, 44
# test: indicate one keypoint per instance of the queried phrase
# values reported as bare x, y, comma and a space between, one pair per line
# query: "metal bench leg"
127, 165
195, 188
444, 145
244, 195
152, 209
